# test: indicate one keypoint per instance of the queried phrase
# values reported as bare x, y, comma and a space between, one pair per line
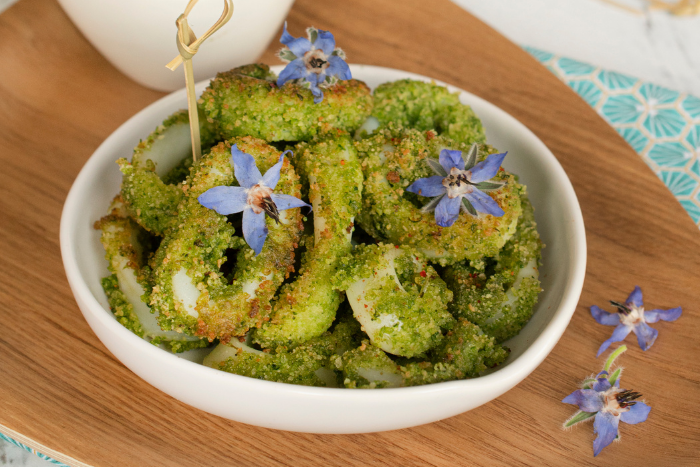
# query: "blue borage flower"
254, 197
316, 62
460, 184
601, 397
631, 317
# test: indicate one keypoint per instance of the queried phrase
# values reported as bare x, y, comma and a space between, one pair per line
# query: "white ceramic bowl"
326, 410
138, 36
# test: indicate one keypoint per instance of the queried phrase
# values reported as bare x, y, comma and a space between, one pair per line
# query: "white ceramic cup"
138, 36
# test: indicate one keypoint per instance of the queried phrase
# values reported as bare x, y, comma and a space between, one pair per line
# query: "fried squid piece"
400, 301
190, 290
501, 298
464, 352
307, 307
391, 162
247, 101
125, 244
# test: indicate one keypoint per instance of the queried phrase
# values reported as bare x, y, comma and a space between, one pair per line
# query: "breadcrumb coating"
392, 160
306, 307
190, 291
247, 101
502, 298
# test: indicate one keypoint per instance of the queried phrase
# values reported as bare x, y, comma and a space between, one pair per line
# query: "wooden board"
62, 389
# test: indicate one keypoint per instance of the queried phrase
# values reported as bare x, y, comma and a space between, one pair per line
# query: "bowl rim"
509, 375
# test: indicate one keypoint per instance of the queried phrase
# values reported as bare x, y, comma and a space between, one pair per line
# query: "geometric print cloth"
662, 125
56, 463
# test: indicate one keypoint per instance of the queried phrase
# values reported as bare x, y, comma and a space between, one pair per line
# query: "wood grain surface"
60, 387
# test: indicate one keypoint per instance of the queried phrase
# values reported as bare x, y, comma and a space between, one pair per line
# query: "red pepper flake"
365, 305
396, 246
342, 162
423, 274
429, 135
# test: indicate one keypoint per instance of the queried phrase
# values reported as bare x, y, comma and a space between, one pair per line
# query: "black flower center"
627, 398
455, 180
621, 307
316, 62
270, 208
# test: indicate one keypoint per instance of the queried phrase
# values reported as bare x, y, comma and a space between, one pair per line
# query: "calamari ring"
464, 353
424, 106
190, 292
247, 101
307, 307
124, 242
392, 160
149, 183
399, 300
309, 364
501, 302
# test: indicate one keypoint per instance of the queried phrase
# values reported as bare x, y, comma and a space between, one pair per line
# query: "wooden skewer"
188, 45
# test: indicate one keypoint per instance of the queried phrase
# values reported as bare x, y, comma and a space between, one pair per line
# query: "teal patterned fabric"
663, 126
33, 451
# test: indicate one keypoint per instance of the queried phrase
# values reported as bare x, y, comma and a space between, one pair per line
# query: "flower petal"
605, 426
428, 187
646, 335
272, 176
316, 79
652, 316
224, 199
288, 202
618, 335
299, 45
338, 67
296, 69
601, 384
325, 41
254, 230
636, 414
587, 400
315, 90
635, 297
484, 203
447, 211
450, 158
603, 317
247, 173
487, 168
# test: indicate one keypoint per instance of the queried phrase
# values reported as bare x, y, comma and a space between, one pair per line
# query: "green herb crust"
247, 101
465, 352
391, 161
126, 246
426, 106
190, 292
306, 307
399, 299
502, 302
308, 364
